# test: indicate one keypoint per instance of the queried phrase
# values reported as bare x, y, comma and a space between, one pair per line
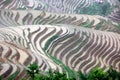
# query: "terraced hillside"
59, 6
58, 48
34, 17
62, 42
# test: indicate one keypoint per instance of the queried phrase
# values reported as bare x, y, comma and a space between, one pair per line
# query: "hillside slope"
58, 48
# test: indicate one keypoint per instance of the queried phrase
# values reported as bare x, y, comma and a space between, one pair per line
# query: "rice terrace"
67, 36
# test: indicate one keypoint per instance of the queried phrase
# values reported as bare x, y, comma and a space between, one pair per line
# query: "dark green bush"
113, 74
97, 74
33, 70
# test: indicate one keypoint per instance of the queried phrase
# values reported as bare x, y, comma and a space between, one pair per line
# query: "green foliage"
33, 69
34, 73
83, 76
23, 79
96, 74
102, 9
0, 78
113, 74
99, 74
99, 25
87, 24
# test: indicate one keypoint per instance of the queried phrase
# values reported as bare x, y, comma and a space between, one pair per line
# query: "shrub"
35, 74
99, 74
33, 70
113, 74
96, 74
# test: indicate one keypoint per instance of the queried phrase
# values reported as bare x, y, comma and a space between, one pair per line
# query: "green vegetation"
7, 2
99, 25
96, 74
99, 74
70, 72
33, 70
35, 74
102, 9
87, 24
0, 78
13, 76
118, 26
50, 40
